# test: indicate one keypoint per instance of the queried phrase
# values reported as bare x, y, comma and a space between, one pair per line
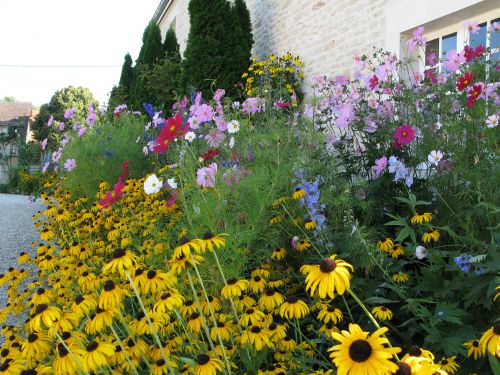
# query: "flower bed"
358, 235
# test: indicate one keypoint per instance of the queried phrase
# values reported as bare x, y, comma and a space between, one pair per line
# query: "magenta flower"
404, 134
61, 126
215, 137
70, 164
44, 143
70, 113
205, 177
82, 131
204, 113
219, 94
379, 167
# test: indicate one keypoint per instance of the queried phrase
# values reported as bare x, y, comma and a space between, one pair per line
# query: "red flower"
374, 82
280, 104
210, 154
429, 73
124, 170
473, 94
465, 81
171, 200
172, 129
114, 195
404, 134
469, 53
479, 51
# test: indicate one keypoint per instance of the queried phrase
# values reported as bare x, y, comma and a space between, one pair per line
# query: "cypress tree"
170, 46
151, 52
127, 72
243, 36
209, 51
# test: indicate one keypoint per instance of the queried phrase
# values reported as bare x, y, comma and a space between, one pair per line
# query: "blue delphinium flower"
149, 109
463, 263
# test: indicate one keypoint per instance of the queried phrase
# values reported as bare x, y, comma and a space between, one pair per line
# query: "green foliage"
243, 36
100, 154
210, 60
170, 46
127, 73
151, 52
68, 97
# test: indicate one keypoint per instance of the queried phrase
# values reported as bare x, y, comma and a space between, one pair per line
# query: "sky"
40, 33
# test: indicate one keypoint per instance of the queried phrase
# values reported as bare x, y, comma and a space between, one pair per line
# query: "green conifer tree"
170, 46
209, 52
243, 36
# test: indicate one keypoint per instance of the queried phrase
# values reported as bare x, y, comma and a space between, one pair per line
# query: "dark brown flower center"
404, 369
166, 295
255, 329
292, 299
151, 274
496, 329
475, 343
208, 236
79, 299
256, 279
32, 337
160, 362
41, 308
232, 281
63, 352
327, 265
415, 351
270, 292
360, 350
109, 285
118, 253
66, 335
92, 346
184, 240
203, 359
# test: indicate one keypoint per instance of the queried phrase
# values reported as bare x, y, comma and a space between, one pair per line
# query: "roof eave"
161, 9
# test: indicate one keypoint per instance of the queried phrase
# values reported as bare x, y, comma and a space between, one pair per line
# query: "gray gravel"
16, 233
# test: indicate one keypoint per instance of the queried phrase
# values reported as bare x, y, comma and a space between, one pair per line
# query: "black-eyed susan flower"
359, 353
430, 235
255, 336
82, 306
271, 300
278, 253
280, 201
195, 322
42, 295
185, 246
276, 284
168, 301
122, 260
449, 364
293, 308
224, 328
400, 277
276, 331
475, 349
385, 244
287, 344
136, 349
234, 288
258, 284
421, 217
23, 258
330, 314
310, 225
178, 264
188, 308
303, 245
66, 363
158, 281
207, 365
490, 340
36, 346
330, 276
417, 366
415, 351
252, 316
382, 313
99, 320
96, 355
275, 220
298, 193
45, 315
211, 241
328, 329
396, 250
497, 294
111, 295
210, 305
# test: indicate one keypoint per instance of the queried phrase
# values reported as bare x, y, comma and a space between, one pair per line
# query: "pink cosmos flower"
492, 121
82, 131
51, 119
45, 167
404, 134
204, 113
379, 167
373, 83
61, 126
454, 59
219, 94
432, 58
44, 144
205, 177
70, 164
472, 26
69, 113
215, 137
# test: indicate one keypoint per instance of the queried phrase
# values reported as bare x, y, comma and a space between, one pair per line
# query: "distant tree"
170, 46
127, 73
209, 55
121, 94
151, 52
69, 97
243, 36
8, 99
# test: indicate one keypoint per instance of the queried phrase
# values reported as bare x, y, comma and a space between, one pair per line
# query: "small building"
326, 34
15, 122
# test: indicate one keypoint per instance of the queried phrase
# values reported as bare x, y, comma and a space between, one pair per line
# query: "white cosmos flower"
233, 126
492, 121
435, 157
171, 182
231, 142
190, 136
421, 252
152, 184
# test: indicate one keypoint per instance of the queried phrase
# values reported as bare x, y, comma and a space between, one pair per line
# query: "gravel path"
16, 233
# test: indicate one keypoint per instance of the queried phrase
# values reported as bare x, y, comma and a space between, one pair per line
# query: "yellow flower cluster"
274, 76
